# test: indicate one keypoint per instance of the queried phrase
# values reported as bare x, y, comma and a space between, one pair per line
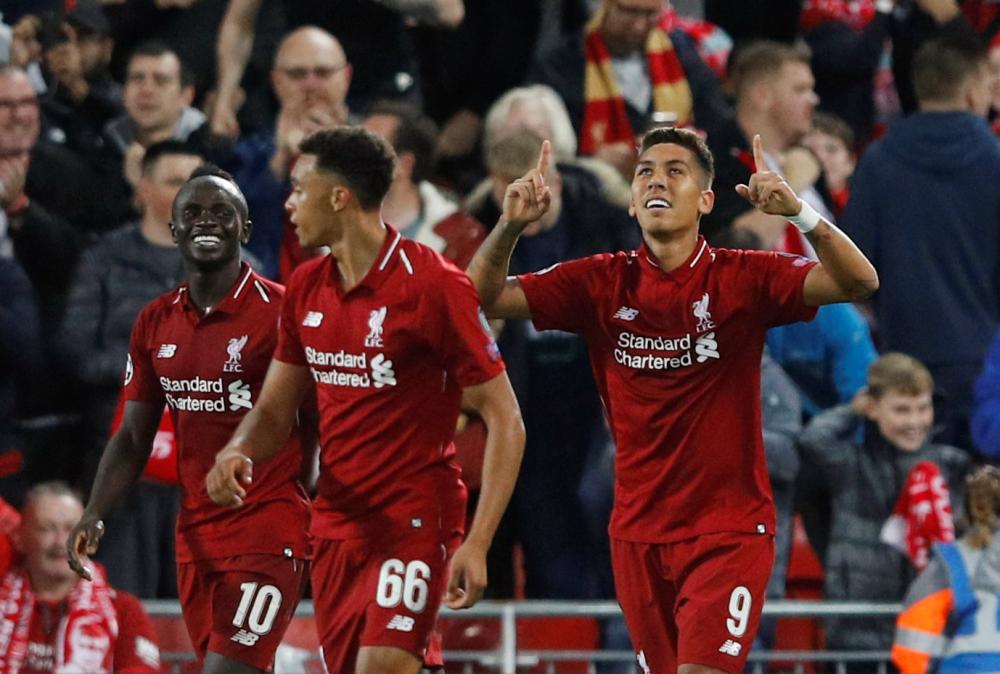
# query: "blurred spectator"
418, 209
867, 451
986, 407
627, 69
551, 375
116, 278
537, 108
158, 96
848, 38
832, 141
925, 209
949, 624
781, 423
81, 98
311, 77
373, 34
19, 359
36, 182
917, 21
774, 98
56, 622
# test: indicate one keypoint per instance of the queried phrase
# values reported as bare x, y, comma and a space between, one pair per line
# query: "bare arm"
445, 13
121, 465
844, 274
236, 36
526, 200
260, 435
496, 404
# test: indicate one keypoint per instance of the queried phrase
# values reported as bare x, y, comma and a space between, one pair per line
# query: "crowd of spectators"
882, 114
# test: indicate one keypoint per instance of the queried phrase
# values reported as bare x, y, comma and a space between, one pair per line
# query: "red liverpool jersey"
389, 360
209, 370
677, 358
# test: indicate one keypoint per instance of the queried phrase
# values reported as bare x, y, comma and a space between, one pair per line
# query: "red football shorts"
240, 607
384, 594
696, 601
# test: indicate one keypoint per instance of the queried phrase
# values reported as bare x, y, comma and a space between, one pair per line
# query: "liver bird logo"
703, 315
234, 349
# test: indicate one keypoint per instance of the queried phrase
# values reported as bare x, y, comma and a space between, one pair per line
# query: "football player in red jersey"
203, 350
390, 337
675, 332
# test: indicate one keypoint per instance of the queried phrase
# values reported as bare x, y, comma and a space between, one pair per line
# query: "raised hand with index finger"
528, 198
768, 191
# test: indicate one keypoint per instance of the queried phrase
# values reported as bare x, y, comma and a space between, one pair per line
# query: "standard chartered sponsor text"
675, 352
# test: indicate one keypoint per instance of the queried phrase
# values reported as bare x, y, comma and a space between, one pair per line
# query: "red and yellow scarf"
605, 119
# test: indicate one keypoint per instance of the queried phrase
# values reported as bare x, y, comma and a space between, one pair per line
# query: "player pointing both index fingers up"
675, 331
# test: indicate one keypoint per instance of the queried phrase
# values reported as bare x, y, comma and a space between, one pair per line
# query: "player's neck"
358, 246
207, 288
672, 249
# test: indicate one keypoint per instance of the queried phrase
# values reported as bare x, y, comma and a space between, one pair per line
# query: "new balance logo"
239, 396
706, 347
626, 314
312, 319
245, 638
400, 623
166, 351
731, 648
382, 372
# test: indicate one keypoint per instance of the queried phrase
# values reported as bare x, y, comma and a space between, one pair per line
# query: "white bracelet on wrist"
884, 6
806, 219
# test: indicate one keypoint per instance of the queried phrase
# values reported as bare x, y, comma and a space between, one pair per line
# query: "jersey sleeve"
141, 383
289, 347
136, 650
466, 342
780, 283
559, 297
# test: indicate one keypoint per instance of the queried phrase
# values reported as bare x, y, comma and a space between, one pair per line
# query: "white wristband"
807, 218
884, 6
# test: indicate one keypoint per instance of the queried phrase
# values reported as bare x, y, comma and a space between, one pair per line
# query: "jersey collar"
383, 266
702, 255
247, 285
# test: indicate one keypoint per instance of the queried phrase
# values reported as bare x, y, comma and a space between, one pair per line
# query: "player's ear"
173, 231
245, 234
339, 197
706, 201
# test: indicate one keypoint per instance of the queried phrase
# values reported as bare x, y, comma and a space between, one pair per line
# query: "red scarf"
921, 516
605, 119
86, 635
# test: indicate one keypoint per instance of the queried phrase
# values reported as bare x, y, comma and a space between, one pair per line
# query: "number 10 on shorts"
402, 582
258, 607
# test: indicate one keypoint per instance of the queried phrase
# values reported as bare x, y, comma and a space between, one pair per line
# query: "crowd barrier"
505, 637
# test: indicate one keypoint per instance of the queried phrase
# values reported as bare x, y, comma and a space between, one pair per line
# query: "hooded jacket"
925, 209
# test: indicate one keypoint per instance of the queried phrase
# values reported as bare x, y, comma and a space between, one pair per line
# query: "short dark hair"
156, 49
761, 59
832, 125
362, 159
687, 139
156, 151
416, 135
209, 170
943, 64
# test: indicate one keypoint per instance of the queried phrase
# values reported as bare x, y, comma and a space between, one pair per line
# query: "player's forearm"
121, 465
504, 449
262, 433
844, 261
488, 268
